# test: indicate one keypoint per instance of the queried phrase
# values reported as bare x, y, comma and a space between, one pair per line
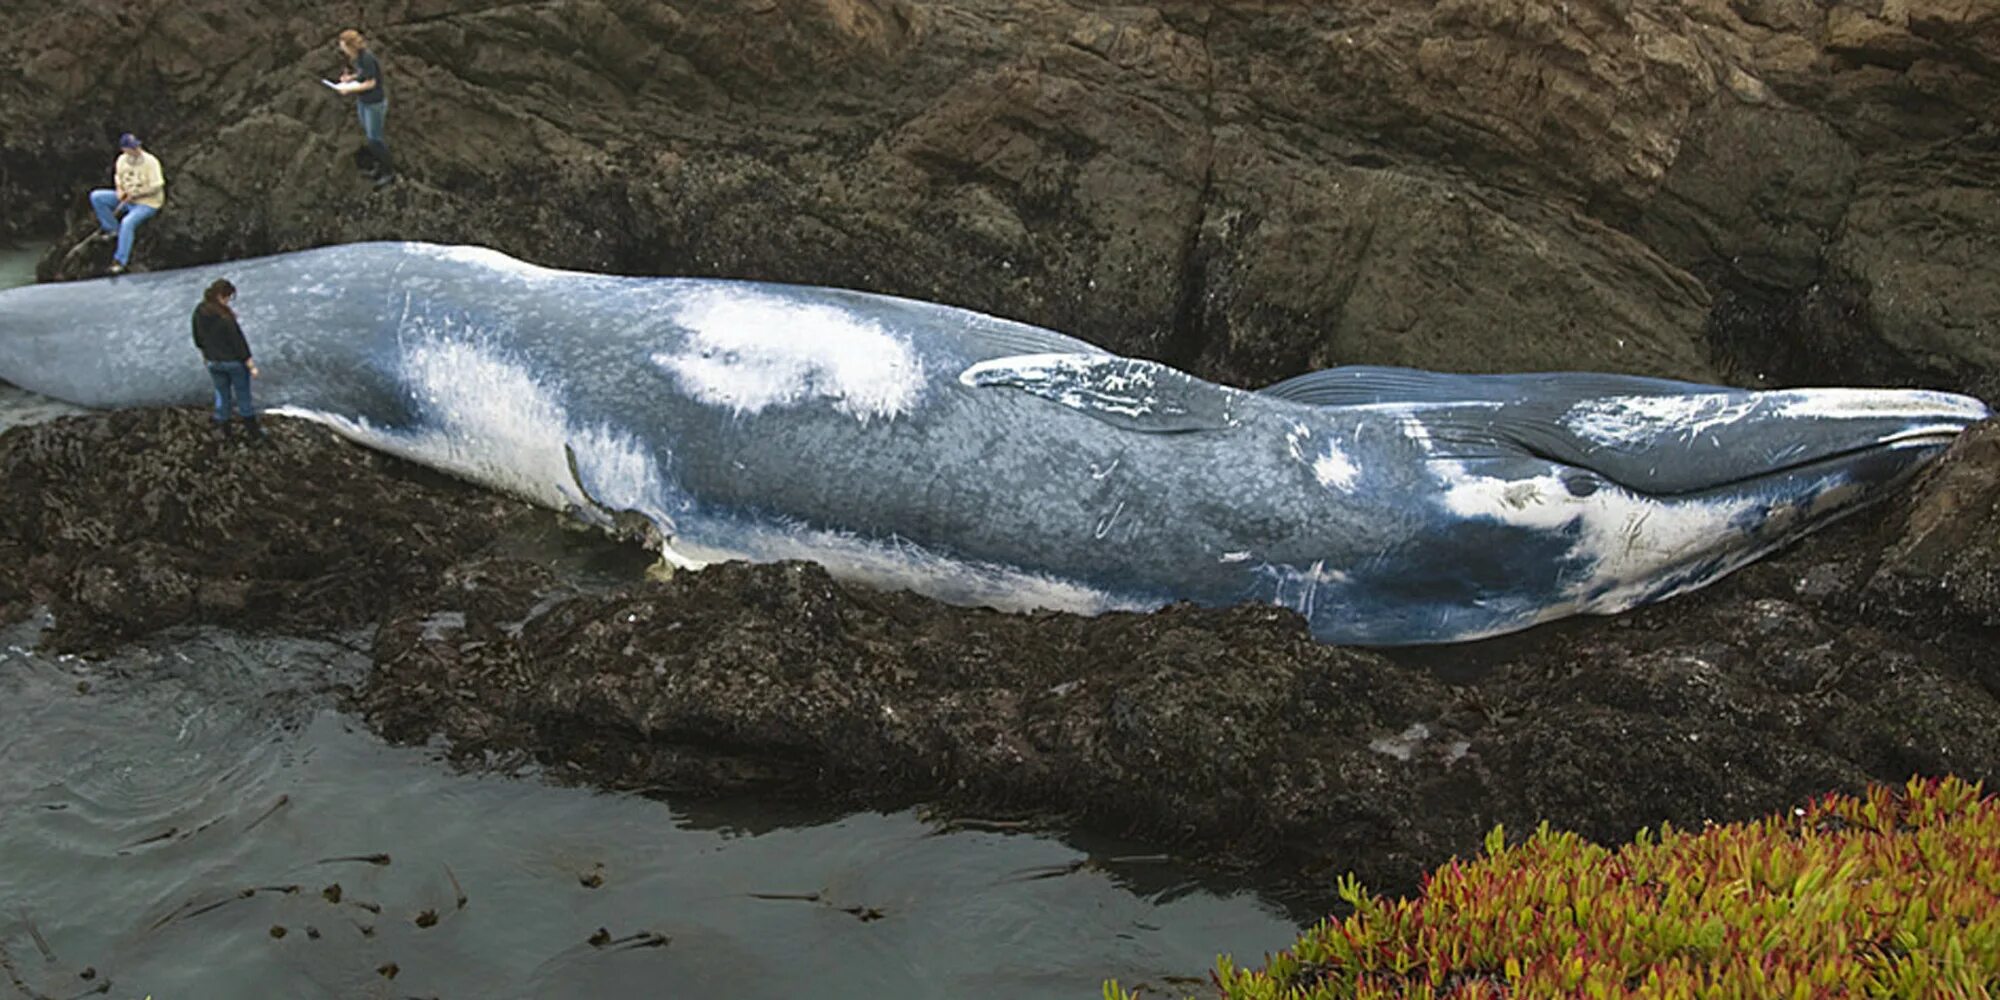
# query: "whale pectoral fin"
1362, 385
587, 505
1134, 395
627, 525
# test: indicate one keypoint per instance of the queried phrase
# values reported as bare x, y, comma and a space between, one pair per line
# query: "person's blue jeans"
105, 201
373, 114
232, 383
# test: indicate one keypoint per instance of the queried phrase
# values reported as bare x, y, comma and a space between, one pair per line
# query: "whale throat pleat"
1371, 385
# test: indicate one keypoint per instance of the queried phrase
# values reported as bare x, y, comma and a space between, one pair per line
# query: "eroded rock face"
1728, 189
1862, 655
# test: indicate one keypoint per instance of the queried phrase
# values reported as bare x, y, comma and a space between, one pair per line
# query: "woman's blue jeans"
372, 116
232, 383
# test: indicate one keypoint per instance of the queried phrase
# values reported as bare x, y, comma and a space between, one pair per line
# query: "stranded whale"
982, 461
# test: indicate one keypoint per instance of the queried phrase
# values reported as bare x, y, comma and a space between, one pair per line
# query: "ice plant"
1895, 893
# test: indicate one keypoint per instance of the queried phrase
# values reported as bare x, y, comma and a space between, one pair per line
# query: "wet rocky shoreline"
1861, 654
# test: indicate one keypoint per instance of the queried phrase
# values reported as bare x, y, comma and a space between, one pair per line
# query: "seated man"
141, 191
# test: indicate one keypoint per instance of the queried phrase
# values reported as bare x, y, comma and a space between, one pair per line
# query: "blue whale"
986, 462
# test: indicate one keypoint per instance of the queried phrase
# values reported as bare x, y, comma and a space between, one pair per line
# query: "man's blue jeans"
232, 383
372, 116
105, 201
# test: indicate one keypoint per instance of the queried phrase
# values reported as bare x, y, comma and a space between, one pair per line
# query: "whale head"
1553, 495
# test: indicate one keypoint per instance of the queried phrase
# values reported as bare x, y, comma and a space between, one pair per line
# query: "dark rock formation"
1755, 190
1943, 567
130, 522
1863, 654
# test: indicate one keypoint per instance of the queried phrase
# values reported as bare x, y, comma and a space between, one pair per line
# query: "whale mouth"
1917, 437
1702, 443
1896, 449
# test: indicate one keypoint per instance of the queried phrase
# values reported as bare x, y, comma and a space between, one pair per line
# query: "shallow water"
142, 796
17, 264
138, 792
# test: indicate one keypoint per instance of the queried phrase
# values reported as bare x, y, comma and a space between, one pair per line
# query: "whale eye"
1581, 485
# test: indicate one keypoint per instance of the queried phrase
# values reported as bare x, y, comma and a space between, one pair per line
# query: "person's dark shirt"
365, 69
219, 336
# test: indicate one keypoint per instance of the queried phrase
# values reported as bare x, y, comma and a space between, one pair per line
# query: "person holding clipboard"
363, 78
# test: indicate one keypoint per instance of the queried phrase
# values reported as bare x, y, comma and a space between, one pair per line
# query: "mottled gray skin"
982, 461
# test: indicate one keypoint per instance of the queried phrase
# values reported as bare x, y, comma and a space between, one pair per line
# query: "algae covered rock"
1944, 557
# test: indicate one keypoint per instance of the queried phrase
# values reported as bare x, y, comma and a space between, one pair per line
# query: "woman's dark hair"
216, 299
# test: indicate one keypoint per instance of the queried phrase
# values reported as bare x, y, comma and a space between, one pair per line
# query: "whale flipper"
1128, 393
626, 525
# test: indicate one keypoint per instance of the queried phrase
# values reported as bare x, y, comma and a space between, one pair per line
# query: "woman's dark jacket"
218, 336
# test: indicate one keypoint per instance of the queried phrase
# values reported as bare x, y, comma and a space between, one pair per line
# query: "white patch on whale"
1334, 469
750, 351
1331, 468
1628, 540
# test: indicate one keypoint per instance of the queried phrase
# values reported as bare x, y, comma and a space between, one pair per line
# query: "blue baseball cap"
128, 141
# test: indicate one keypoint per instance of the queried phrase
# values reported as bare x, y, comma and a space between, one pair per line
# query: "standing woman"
363, 79
220, 339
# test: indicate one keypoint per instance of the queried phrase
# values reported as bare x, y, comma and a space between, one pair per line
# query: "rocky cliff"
1757, 191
